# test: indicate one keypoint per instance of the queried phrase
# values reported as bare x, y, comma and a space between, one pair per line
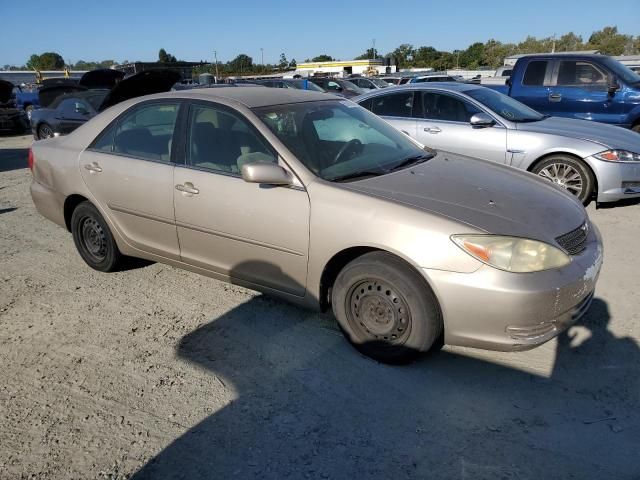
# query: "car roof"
253, 97
456, 86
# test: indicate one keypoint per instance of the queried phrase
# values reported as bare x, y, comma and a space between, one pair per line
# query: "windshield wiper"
412, 160
356, 175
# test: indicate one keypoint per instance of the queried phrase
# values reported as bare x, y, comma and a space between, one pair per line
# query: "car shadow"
309, 406
620, 203
7, 210
13, 159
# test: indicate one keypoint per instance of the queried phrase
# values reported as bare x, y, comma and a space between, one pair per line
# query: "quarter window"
222, 141
394, 105
576, 73
535, 73
437, 106
147, 132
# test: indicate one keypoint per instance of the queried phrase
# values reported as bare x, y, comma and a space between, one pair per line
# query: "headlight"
618, 156
518, 255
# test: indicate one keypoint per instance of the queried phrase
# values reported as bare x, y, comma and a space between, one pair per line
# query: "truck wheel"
93, 239
44, 131
569, 173
385, 308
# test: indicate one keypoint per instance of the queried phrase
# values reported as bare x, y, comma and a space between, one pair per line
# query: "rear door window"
438, 106
393, 105
535, 73
572, 73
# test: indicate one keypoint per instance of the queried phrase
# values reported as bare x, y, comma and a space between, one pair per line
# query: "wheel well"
70, 204
544, 157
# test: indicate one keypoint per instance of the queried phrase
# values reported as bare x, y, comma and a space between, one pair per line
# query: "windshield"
336, 139
506, 107
347, 85
306, 85
622, 71
380, 83
97, 99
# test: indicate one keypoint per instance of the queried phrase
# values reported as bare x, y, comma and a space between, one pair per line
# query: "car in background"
314, 199
26, 99
396, 80
66, 107
297, 83
369, 83
12, 118
338, 86
583, 86
582, 157
433, 78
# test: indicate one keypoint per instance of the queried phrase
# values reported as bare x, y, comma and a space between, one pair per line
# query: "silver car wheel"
564, 176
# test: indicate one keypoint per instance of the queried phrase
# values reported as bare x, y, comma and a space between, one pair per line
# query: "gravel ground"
160, 373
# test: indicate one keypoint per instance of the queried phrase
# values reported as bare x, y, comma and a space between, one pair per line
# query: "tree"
46, 61
293, 64
242, 62
284, 63
569, 42
165, 57
371, 53
403, 55
322, 58
471, 58
609, 42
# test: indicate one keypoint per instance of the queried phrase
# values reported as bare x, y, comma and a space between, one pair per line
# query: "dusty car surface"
312, 198
588, 159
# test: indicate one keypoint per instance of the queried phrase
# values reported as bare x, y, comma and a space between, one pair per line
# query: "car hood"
6, 88
492, 198
143, 83
46, 95
608, 136
101, 78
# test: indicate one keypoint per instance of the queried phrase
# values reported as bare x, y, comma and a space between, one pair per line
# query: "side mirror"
614, 86
481, 120
267, 173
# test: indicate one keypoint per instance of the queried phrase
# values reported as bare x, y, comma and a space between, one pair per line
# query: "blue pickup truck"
588, 87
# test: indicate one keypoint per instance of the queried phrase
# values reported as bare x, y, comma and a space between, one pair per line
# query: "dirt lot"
160, 373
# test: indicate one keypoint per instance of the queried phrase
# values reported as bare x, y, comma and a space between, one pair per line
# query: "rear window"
394, 105
535, 73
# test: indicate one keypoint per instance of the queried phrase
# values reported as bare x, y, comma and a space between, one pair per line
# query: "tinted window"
504, 106
437, 106
147, 132
67, 107
578, 73
222, 141
104, 142
394, 105
535, 73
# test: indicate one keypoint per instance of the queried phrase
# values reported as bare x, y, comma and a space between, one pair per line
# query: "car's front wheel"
94, 240
385, 308
44, 131
569, 173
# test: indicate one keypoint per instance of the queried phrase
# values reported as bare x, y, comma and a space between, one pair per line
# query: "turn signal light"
31, 160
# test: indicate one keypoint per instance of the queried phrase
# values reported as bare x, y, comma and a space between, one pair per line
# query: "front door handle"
187, 187
555, 97
93, 167
432, 129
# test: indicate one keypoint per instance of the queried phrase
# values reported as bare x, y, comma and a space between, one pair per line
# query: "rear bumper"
48, 202
498, 310
616, 180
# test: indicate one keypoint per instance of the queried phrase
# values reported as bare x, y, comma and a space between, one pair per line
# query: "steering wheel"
351, 144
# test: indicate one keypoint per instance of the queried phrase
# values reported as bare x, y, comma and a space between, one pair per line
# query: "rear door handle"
93, 167
187, 188
555, 97
432, 129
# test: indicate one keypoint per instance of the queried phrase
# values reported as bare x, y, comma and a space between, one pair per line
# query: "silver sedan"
584, 157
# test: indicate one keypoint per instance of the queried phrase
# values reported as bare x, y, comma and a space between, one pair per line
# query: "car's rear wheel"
569, 173
94, 240
385, 308
44, 131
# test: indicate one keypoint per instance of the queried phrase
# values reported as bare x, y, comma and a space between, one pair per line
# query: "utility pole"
373, 50
215, 54
262, 57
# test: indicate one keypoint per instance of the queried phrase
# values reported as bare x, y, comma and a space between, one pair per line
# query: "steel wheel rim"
46, 132
565, 176
377, 312
93, 238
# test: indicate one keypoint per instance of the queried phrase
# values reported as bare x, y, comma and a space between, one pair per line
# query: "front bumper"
616, 180
498, 310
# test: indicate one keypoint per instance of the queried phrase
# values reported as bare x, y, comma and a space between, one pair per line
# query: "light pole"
262, 57
215, 54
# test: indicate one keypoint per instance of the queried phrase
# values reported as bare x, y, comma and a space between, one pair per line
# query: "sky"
191, 30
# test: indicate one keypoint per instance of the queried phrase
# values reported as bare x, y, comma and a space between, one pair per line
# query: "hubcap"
93, 238
377, 311
564, 176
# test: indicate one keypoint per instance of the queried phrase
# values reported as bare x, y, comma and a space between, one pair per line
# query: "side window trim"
226, 109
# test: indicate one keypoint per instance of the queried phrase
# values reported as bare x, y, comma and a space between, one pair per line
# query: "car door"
580, 89
445, 126
129, 172
396, 108
71, 113
256, 233
534, 88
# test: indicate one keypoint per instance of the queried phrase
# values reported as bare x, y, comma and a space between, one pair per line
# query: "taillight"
31, 160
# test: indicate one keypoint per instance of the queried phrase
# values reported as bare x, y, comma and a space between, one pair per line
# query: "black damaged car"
12, 118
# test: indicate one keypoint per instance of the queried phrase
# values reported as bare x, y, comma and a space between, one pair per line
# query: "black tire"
94, 240
44, 131
571, 174
385, 308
